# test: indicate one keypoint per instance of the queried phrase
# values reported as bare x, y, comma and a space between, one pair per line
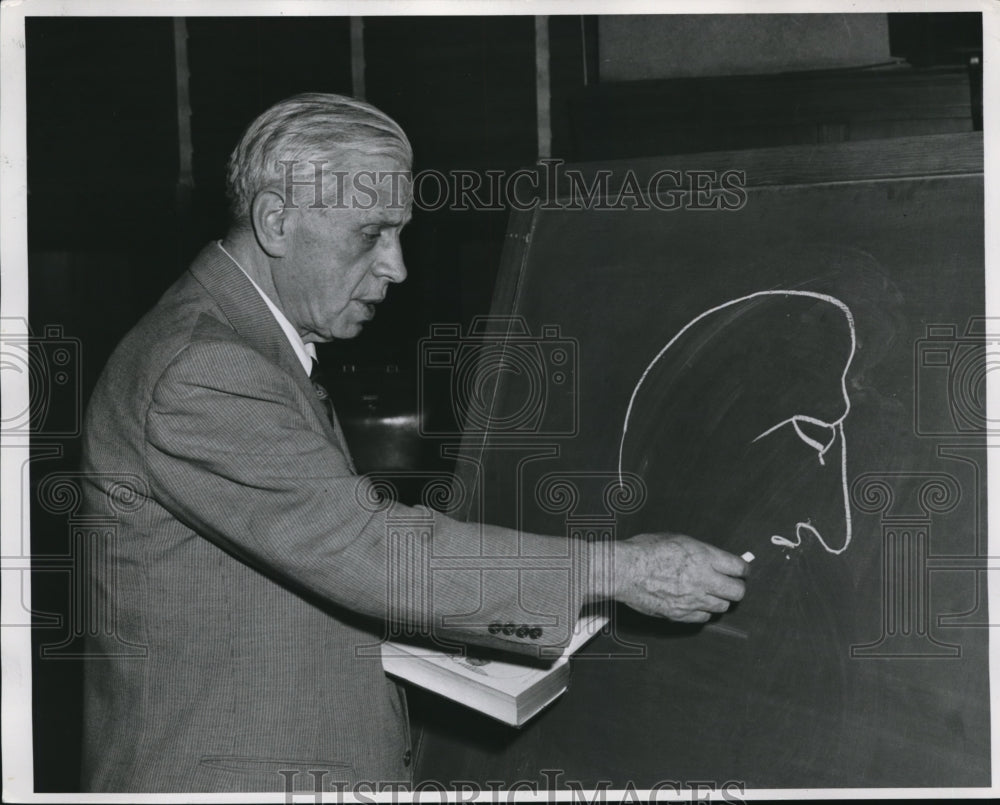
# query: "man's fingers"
698, 616
726, 587
730, 564
715, 604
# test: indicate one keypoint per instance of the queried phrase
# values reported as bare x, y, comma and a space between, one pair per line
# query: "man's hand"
676, 577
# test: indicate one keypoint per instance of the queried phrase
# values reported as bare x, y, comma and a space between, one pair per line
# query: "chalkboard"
802, 376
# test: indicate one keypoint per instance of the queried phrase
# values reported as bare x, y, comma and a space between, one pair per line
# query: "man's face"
341, 259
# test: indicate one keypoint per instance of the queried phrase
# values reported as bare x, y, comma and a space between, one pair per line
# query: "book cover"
509, 691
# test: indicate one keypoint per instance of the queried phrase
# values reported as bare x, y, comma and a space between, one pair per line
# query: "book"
511, 692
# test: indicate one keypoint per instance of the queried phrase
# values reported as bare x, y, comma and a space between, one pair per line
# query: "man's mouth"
369, 305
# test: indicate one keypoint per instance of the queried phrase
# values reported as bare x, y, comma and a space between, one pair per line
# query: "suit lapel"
243, 307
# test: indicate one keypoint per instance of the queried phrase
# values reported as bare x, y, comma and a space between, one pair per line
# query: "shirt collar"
306, 353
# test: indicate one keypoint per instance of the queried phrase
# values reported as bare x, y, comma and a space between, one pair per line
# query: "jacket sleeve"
234, 451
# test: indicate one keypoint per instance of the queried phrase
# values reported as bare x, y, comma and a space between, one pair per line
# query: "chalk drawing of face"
737, 424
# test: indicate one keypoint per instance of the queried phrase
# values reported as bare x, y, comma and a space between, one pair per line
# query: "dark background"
112, 220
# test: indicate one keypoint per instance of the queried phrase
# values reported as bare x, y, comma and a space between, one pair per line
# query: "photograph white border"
15, 641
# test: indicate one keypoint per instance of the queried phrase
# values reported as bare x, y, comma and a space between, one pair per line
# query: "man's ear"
272, 223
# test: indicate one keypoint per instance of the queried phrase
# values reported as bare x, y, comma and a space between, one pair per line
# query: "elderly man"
250, 571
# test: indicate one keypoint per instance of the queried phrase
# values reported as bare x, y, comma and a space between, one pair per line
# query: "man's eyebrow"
386, 220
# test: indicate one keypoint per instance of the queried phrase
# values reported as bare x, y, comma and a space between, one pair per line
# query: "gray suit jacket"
253, 573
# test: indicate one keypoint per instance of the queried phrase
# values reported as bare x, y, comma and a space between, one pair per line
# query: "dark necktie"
319, 383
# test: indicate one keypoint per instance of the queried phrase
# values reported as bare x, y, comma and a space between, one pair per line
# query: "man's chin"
348, 331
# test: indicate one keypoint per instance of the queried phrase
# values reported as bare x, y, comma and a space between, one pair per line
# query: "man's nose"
389, 264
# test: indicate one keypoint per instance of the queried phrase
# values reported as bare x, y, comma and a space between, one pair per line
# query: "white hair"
311, 126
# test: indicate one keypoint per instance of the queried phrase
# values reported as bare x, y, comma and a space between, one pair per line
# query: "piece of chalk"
748, 557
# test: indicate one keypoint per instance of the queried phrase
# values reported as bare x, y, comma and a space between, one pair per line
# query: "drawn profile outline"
836, 427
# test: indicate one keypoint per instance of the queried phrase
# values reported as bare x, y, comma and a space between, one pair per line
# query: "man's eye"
370, 237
